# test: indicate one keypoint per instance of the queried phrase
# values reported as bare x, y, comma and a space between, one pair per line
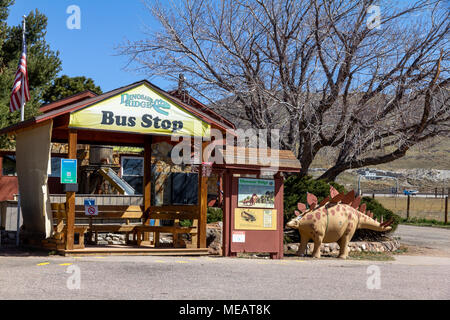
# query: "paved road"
418, 276
430, 241
123, 277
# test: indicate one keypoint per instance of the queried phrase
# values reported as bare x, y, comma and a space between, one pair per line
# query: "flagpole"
22, 109
22, 118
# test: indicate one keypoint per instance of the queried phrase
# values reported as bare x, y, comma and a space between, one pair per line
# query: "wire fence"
425, 206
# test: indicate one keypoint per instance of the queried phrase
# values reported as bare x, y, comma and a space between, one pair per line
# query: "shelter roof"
76, 102
248, 158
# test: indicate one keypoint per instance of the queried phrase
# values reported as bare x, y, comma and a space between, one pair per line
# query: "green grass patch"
401, 250
425, 222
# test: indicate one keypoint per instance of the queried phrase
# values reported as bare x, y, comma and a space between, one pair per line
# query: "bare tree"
368, 79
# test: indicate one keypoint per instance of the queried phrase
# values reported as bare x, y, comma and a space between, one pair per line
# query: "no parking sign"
90, 209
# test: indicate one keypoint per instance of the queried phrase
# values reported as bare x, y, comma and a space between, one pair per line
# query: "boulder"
214, 238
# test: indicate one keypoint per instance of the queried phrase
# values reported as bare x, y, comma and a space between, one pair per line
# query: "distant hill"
433, 154
424, 167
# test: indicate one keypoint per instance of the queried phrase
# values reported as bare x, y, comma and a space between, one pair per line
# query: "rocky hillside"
424, 168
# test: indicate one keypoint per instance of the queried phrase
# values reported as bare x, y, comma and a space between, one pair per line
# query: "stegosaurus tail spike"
387, 223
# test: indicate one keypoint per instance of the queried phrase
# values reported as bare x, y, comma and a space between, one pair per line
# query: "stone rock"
355, 246
165, 240
214, 238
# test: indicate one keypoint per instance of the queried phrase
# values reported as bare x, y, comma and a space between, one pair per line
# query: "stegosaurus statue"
334, 220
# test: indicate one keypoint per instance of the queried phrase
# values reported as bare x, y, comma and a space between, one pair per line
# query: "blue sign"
89, 202
69, 171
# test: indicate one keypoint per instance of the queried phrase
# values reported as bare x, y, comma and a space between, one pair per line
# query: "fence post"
435, 192
373, 195
407, 208
446, 210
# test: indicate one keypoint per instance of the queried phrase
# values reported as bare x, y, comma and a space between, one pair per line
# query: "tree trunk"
332, 173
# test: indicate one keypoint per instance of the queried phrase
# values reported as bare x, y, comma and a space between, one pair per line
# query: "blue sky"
90, 51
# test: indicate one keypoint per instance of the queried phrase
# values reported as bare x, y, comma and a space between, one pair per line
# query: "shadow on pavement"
8, 250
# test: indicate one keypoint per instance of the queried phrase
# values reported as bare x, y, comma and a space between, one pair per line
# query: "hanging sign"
140, 110
69, 171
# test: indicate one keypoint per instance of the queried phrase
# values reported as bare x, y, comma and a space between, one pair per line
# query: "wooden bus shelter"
138, 115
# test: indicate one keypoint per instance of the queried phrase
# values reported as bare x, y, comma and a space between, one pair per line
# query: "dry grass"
426, 208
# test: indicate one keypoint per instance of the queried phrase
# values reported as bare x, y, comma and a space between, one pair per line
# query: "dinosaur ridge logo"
144, 101
147, 120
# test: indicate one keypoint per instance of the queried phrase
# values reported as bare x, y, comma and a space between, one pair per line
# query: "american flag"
20, 92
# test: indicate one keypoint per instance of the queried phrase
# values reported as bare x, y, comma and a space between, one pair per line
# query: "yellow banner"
140, 110
255, 219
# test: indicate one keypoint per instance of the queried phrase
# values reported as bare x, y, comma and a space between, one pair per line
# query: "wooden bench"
126, 213
111, 212
60, 229
175, 213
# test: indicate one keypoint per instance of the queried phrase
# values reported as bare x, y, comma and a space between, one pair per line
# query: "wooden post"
435, 192
226, 208
446, 210
202, 202
279, 202
90, 230
70, 196
220, 188
147, 184
407, 208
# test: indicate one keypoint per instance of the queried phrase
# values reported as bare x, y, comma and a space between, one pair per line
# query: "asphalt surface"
147, 277
427, 240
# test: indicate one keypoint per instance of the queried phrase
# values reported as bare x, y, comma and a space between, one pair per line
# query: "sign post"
90, 209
